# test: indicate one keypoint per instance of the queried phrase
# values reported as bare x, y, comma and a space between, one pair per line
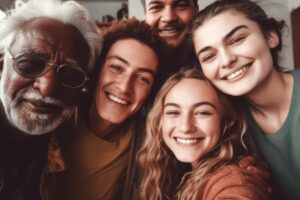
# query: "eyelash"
115, 68
145, 80
180, 5
154, 8
205, 113
237, 40
172, 113
208, 58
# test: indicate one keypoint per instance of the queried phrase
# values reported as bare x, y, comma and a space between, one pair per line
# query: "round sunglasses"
31, 65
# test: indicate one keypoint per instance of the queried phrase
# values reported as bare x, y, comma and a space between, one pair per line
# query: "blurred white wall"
99, 9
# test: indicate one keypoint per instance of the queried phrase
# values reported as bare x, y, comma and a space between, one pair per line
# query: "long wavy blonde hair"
159, 165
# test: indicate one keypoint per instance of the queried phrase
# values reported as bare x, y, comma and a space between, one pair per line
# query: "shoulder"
229, 174
233, 182
294, 72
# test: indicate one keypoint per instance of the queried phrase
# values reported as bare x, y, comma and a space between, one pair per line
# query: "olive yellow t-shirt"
95, 168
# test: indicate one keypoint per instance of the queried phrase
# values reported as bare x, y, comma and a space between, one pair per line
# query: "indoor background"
104, 11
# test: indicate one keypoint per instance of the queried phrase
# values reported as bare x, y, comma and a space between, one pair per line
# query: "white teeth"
187, 141
117, 100
169, 30
236, 73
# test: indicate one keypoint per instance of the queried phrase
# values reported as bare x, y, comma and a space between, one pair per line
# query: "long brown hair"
159, 165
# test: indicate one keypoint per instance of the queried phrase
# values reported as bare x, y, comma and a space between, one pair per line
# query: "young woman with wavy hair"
190, 122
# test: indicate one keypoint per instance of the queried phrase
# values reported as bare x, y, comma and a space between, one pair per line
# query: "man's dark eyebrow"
147, 70
178, 1
154, 2
228, 35
118, 58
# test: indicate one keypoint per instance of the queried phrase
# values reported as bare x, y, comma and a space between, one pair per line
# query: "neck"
273, 93
98, 125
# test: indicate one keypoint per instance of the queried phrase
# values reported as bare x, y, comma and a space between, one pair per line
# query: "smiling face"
125, 80
170, 18
39, 105
234, 53
191, 125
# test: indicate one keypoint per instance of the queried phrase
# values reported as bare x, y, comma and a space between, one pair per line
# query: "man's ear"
1, 63
273, 39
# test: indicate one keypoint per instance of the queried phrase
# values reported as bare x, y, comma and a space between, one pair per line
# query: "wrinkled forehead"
52, 37
53, 30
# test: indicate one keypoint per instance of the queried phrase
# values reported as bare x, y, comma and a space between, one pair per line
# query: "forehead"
168, 2
194, 91
218, 26
135, 53
51, 36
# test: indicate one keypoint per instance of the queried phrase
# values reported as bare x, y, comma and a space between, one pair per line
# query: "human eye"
209, 57
237, 40
182, 4
171, 113
154, 7
203, 113
116, 68
29, 63
143, 79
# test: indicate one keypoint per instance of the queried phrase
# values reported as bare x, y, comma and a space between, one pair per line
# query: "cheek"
186, 17
12, 82
141, 94
152, 19
98, 96
214, 131
210, 71
167, 125
103, 79
259, 49
166, 131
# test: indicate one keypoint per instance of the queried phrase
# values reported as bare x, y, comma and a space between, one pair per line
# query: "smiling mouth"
237, 73
41, 107
170, 31
186, 141
117, 99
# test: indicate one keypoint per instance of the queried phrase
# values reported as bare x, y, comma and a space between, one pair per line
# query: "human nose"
227, 58
186, 124
125, 84
168, 15
47, 84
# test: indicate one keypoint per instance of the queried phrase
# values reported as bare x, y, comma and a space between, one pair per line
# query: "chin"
115, 120
185, 159
173, 44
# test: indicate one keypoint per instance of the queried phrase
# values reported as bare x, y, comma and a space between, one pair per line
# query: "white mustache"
35, 96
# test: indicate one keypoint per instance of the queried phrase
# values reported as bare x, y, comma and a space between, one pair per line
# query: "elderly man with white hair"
48, 49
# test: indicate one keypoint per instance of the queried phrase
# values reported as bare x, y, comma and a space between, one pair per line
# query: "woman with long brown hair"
191, 122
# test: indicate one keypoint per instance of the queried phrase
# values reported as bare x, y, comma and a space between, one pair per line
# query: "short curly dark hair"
131, 29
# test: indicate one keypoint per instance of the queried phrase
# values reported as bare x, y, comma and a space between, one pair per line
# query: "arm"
249, 163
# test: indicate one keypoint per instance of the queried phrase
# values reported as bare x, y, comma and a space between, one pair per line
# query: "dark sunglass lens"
29, 67
70, 76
